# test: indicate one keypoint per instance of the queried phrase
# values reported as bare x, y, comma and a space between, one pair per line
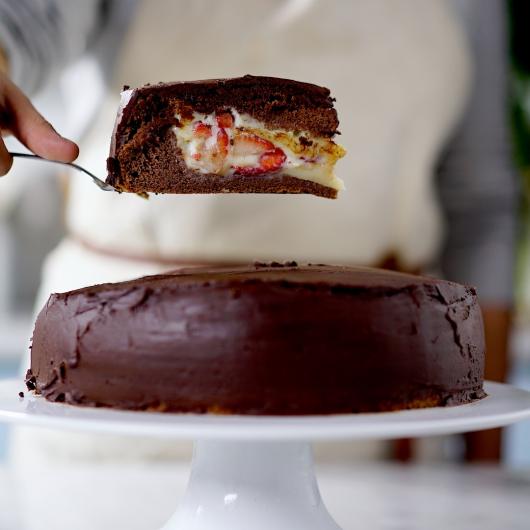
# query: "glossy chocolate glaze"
262, 340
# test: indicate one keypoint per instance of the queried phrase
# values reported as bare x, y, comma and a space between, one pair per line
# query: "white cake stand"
257, 472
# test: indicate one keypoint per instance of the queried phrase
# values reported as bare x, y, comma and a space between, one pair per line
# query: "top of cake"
278, 103
290, 273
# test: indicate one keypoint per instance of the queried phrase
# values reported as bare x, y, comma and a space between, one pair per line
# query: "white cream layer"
318, 169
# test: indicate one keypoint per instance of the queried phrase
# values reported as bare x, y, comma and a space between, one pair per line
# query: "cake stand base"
252, 485
256, 473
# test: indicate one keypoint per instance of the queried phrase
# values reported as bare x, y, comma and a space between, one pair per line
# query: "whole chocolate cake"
264, 339
247, 134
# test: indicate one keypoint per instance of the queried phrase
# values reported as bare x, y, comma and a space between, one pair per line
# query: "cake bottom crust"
280, 406
272, 183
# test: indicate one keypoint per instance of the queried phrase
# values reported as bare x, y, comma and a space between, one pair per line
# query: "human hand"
19, 117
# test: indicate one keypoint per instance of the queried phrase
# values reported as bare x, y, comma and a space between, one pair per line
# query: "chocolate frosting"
264, 339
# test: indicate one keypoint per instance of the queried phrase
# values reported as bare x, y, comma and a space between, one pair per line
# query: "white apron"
399, 71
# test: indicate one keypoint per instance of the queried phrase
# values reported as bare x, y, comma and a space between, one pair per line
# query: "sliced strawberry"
269, 161
222, 142
210, 151
272, 160
202, 130
249, 144
268, 156
225, 120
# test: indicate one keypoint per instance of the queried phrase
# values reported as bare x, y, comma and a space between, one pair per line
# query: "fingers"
37, 134
6, 160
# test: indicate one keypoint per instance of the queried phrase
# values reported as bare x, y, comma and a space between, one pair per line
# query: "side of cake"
262, 340
243, 135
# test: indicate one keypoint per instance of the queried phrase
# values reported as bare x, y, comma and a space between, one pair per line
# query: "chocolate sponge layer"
144, 156
262, 340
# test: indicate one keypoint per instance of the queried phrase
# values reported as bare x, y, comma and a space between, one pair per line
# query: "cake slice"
242, 135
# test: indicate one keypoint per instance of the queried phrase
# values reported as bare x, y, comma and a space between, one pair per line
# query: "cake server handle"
101, 184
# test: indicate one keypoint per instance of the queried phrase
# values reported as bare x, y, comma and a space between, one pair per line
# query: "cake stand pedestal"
257, 472
252, 485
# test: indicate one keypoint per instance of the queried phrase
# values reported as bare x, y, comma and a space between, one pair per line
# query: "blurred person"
411, 78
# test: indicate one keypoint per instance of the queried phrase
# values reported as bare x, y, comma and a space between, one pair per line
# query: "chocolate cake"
265, 339
242, 135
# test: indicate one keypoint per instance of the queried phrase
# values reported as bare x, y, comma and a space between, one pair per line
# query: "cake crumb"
31, 381
275, 264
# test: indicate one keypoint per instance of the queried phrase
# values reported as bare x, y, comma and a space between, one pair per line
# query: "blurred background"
477, 172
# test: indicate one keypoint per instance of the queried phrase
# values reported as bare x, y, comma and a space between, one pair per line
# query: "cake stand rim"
504, 405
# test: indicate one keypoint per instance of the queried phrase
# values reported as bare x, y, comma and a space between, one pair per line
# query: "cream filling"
314, 163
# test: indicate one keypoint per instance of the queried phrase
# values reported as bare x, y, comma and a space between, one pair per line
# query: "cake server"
101, 184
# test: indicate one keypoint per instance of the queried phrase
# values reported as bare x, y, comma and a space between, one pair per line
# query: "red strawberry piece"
269, 161
225, 120
272, 160
222, 142
250, 144
202, 130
